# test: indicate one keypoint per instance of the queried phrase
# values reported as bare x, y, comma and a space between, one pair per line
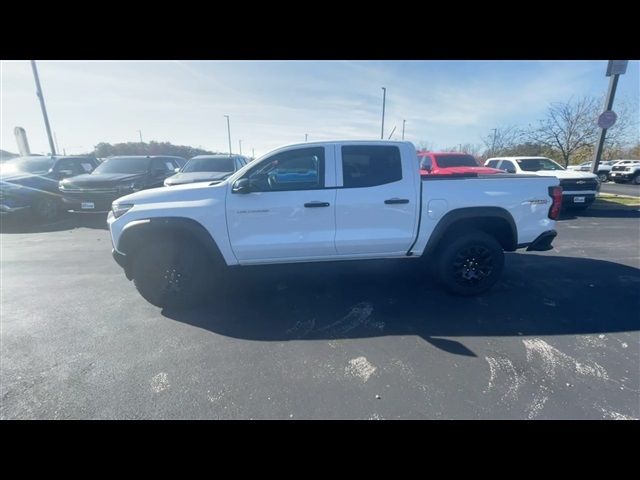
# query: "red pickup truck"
451, 163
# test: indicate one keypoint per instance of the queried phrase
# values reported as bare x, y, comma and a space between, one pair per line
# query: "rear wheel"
603, 177
470, 263
636, 179
172, 273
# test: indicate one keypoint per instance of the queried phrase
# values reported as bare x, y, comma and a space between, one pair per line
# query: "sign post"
608, 118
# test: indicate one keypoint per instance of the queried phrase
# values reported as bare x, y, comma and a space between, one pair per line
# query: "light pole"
403, 122
240, 145
306, 136
42, 106
607, 119
253, 153
229, 133
384, 99
140, 133
55, 138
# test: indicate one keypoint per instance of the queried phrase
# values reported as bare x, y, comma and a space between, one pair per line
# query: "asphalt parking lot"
558, 337
621, 189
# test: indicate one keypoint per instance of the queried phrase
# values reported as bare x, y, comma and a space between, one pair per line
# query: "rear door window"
370, 165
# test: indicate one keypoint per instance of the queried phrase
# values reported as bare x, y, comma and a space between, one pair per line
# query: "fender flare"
136, 232
475, 214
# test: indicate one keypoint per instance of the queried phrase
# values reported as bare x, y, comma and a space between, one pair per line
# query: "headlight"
120, 209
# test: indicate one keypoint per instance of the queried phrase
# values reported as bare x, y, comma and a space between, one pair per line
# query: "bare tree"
500, 140
625, 131
425, 146
568, 127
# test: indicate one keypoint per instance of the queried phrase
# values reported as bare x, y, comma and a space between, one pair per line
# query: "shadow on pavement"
602, 209
538, 295
68, 221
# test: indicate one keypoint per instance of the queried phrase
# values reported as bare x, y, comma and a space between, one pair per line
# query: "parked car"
604, 169
579, 189
113, 178
626, 171
356, 200
451, 163
31, 183
207, 168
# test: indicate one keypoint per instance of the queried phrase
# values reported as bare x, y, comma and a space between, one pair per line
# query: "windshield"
123, 165
446, 161
28, 165
209, 164
537, 164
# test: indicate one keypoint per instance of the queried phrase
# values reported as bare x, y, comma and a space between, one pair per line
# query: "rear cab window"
370, 165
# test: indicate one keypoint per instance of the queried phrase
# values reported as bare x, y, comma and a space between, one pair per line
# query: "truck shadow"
537, 295
66, 221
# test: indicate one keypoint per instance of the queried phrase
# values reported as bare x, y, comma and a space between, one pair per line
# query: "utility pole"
306, 136
253, 153
140, 133
403, 122
240, 144
42, 106
55, 138
384, 99
493, 144
608, 117
229, 133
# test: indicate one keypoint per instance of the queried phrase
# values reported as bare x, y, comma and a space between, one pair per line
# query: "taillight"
556, 202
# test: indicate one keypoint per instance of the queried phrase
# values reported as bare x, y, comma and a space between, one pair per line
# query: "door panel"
372, 216
274, 223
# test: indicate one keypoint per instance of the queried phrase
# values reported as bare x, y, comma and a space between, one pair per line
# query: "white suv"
579, 189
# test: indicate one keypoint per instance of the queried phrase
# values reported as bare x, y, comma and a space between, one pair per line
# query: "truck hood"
564, 174
32, 182
101, 180
190, 177
189, 192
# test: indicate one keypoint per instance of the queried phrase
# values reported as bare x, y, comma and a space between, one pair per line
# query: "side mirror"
242, 186
176, 170
511, 170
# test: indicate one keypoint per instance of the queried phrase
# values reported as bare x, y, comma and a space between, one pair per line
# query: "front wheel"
636, 179
470, 264
603, 177
171, 273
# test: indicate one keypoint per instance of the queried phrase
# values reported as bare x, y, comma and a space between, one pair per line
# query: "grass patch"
615, 201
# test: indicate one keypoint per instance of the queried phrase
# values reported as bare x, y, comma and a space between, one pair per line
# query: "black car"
31, 183
114, 178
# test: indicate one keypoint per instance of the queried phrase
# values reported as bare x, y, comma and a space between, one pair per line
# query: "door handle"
316, 204
394, 201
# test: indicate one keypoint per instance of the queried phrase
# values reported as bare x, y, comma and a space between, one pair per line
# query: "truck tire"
171, 273
636, 179
470, 263
603, 176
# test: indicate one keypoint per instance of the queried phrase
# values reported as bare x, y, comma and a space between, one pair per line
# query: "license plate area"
87, 205
578, 199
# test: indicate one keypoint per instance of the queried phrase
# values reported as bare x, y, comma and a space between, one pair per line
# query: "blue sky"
273, 103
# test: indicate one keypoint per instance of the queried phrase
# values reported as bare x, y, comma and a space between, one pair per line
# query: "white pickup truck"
329, 201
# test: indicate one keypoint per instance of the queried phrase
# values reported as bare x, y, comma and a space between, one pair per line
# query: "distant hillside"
151, 148
4, 155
